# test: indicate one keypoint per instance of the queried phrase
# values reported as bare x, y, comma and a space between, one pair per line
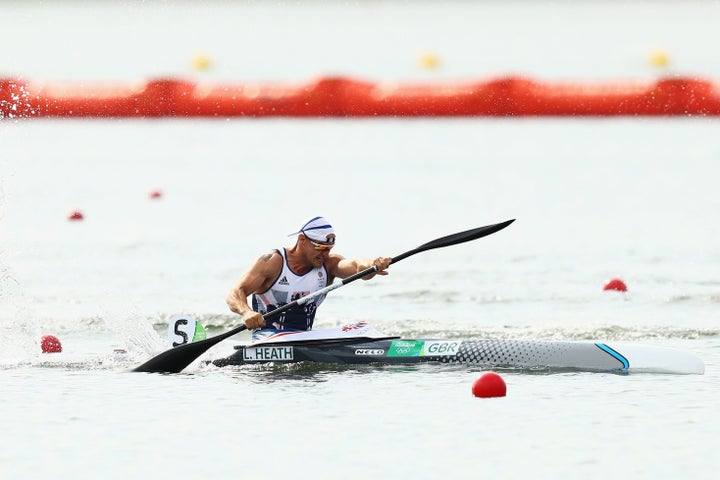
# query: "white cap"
318, 229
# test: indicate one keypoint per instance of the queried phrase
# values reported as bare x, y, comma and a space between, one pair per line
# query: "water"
593, 198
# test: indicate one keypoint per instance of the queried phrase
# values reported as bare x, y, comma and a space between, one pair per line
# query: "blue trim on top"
614, 354
318, 227
309, 222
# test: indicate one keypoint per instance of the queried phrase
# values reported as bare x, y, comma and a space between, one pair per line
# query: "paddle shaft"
176, 359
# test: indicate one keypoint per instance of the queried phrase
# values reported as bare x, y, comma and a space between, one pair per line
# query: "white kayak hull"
360, 344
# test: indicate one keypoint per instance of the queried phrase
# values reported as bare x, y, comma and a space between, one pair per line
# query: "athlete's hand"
382, 263
253, 320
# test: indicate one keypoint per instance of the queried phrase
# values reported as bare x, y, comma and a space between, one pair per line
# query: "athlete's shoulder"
270, 255
333, 262
269, 262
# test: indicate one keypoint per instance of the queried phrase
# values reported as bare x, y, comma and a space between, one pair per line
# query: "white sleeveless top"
289, 286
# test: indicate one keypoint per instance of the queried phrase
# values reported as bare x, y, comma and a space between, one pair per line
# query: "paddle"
175, 359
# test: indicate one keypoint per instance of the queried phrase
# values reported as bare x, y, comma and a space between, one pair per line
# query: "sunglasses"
320, 246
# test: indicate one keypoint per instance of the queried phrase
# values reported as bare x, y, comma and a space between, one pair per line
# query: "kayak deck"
519, 354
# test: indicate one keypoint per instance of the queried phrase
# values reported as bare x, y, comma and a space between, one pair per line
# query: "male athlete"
284, 275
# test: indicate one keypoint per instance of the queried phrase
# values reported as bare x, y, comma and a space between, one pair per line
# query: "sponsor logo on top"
424, 348
405, 348
374, 352
441, 348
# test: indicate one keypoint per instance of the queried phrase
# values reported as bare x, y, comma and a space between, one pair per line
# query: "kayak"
359, 343
184, 351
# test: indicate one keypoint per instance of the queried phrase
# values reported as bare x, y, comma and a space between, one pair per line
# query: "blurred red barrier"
343, 97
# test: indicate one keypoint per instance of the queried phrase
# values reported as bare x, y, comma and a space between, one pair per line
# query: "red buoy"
155, 194
76, 215
616, 284
50, 344
490, 384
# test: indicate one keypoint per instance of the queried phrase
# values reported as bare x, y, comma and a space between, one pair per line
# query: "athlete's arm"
341, 267
258, 278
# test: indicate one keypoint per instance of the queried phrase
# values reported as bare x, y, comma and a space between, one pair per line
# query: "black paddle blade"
455, 239
176, 359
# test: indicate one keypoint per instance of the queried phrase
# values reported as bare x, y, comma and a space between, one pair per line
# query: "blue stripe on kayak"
615, 354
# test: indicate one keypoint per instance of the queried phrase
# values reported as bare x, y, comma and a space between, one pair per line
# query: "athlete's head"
315, 239
319, 231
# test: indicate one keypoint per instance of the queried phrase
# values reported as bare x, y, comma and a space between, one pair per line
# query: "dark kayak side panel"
496, 353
